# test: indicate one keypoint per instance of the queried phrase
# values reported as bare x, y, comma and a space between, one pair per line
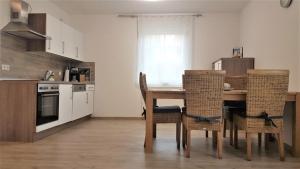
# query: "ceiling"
149, 6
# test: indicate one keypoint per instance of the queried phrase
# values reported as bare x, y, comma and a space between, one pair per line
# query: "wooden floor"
118, 144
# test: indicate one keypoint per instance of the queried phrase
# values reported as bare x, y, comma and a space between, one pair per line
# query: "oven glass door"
48, 104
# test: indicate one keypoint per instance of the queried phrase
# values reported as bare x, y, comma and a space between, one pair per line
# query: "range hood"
18, 25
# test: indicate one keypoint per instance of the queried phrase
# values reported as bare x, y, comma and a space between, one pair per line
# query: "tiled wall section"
24, 64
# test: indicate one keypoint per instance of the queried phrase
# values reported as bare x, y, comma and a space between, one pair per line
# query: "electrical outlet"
5, 67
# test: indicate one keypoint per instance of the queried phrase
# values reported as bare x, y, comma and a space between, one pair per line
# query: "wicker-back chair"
266, 95
231, 107
162, 114
204, 102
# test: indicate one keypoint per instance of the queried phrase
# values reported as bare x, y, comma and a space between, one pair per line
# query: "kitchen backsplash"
23, 64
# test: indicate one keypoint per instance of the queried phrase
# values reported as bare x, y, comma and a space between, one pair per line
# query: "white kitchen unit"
90, 89
53, 33
80, 101
68, 42
83, 101
62, 39
79, 45
65, 103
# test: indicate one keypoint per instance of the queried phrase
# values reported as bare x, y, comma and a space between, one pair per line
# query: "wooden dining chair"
204, 102
162, 114
266, 95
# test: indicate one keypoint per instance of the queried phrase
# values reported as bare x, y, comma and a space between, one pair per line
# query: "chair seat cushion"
166, 109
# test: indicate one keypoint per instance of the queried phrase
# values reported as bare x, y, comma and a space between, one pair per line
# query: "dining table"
231, 95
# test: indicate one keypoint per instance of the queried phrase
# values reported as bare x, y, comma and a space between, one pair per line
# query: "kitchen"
37, 57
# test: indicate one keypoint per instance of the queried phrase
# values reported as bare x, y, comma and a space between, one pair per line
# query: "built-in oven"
48, 103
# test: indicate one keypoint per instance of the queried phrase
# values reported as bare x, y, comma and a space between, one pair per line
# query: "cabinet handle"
49, 44
77, 55
87, 98
49, 39
63, 47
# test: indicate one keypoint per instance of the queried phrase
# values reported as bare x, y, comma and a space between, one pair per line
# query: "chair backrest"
237, 82
143, 85
204, 92
266, 91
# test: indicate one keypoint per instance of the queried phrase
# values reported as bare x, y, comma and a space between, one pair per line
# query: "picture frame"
237, 52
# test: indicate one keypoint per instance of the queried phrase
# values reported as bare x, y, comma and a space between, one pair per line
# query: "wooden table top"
178, 93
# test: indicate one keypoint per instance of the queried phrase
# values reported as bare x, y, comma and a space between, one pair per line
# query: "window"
165, 48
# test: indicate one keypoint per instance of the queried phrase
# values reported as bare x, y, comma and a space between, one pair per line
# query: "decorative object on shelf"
286, 3
237, 52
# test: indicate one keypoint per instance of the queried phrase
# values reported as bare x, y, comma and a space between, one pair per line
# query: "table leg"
149, 122
296, 128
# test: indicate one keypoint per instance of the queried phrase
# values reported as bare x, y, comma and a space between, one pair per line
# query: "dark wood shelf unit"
234, 66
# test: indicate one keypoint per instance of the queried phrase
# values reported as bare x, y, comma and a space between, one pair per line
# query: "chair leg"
178, 131
215, 138
236, 137
249, 146
206, 134
267, 135
219, 145
188, 144
183, 136
154, 130
259, 140
224, 128
231, 132
281, 146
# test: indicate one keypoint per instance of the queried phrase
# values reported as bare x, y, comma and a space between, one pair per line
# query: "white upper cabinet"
53, 33
62, 39
79, 45
68, 41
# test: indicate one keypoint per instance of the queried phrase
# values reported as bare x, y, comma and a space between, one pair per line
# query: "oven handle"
46, 95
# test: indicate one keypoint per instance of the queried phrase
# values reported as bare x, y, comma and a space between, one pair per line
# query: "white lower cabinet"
90, 89
80, 104
83, 103
65, 103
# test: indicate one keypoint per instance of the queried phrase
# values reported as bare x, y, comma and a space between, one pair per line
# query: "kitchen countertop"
44, 82
63, 82
17, 79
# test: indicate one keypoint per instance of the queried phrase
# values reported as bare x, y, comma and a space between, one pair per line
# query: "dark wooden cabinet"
234, 66
18, 110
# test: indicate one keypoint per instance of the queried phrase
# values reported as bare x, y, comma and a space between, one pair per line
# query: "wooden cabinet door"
65, 103
236, 66
54, 34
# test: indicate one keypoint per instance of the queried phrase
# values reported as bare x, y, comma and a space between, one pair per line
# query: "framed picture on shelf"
237, 52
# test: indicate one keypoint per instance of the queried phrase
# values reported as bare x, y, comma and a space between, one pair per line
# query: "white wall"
270, 34
215, 36
111, 42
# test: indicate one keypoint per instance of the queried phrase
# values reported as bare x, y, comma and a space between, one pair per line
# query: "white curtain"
165, 48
